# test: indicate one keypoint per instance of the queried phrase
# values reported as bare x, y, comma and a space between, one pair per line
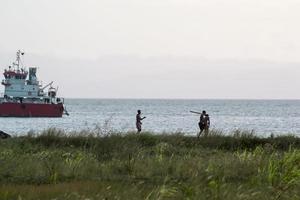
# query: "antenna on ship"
17, 63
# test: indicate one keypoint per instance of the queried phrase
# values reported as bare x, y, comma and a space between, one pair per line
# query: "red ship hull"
8, 109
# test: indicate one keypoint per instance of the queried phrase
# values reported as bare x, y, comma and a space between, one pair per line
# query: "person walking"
202, 123
206, 124
139, 121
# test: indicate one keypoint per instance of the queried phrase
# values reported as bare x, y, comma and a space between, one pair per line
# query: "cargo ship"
24, 95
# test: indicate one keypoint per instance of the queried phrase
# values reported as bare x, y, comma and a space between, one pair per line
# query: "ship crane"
41, 91
49, 84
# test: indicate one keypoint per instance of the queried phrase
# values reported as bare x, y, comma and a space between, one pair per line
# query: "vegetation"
105, 165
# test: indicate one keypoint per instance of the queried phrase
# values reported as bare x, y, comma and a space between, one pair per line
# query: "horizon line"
154, 98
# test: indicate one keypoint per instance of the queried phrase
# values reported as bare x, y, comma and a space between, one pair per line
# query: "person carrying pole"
204, 123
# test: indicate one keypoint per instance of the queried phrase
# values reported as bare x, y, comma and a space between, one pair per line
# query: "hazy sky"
158, 48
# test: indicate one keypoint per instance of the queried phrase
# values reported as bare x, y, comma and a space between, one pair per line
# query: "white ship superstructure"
27, 91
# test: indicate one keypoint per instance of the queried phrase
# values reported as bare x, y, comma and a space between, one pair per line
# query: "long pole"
196, 112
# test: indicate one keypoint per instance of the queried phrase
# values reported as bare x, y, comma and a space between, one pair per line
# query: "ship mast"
17, 63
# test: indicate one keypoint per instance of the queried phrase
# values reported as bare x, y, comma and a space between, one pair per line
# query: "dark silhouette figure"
202, 122
139, 121
206, 124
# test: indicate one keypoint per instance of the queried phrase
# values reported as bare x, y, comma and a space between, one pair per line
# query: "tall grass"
89, 165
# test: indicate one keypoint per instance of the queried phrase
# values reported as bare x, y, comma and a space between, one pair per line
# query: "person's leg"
206, 131
139, 128
198, 135
201, 130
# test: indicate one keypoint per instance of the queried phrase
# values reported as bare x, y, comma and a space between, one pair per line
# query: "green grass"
89, 165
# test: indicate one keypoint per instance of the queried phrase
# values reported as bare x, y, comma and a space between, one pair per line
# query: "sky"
216, 49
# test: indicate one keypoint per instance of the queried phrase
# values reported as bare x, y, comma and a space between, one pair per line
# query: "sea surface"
264, 117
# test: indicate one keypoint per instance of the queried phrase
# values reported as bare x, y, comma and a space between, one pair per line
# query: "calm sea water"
262, 116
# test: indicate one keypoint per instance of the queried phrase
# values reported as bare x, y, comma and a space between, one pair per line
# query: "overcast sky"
158, 48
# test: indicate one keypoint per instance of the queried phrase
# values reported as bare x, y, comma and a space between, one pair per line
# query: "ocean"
264, 117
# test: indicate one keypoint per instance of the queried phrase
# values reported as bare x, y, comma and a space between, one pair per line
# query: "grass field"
87, 165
